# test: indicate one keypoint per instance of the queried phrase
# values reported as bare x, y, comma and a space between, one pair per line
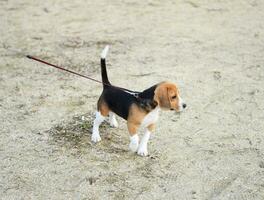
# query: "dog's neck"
146, 99
148, 93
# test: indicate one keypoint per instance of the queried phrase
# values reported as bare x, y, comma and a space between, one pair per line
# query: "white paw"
96, 138
114, 123
134, 140
133, 146
142, 151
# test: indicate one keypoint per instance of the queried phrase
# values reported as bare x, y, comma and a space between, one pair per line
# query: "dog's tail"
103, 67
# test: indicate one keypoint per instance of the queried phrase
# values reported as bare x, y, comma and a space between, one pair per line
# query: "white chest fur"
151, 117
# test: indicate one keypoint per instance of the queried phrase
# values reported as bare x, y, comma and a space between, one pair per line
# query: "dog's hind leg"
97, 122
99, 118
112, 120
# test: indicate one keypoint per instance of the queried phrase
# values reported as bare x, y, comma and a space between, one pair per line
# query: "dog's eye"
174, 97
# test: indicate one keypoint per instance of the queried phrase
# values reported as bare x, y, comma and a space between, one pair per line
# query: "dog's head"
167, 96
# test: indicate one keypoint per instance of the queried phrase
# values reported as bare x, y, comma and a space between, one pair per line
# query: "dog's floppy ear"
162, 96
170, 93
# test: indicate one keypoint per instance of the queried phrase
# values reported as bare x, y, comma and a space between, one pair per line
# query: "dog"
137, 108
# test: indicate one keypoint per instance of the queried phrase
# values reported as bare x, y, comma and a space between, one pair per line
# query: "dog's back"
113, 96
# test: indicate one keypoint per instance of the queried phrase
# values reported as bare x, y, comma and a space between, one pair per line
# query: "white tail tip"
105, 51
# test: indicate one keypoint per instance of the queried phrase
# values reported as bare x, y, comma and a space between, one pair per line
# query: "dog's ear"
171, 93
162, 96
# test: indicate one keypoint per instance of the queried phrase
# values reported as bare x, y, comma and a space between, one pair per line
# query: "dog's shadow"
75, 135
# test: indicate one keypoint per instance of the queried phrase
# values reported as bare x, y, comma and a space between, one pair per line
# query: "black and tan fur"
135, 106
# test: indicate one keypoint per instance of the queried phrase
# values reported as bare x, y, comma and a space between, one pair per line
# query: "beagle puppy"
137, 108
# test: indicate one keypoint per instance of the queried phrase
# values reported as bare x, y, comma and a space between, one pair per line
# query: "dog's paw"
134, 141
96, 138
142, 151
133, 146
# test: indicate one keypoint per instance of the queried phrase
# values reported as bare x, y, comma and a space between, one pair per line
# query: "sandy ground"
212, 49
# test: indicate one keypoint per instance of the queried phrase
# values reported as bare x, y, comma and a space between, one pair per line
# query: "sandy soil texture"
212, 49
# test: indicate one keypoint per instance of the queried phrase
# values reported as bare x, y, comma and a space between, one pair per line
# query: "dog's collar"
144, 103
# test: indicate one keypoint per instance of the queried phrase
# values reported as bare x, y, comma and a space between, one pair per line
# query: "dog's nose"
184, 105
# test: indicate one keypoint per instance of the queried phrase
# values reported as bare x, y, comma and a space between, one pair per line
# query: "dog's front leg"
97, 122
143, 146
134, 139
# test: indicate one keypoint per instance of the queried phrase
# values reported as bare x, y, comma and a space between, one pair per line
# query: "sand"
213, 50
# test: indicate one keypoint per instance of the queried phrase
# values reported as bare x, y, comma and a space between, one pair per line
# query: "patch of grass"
74, 133
74, 136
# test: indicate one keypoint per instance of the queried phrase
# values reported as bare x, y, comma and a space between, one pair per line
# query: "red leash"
72, 72
67, 70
